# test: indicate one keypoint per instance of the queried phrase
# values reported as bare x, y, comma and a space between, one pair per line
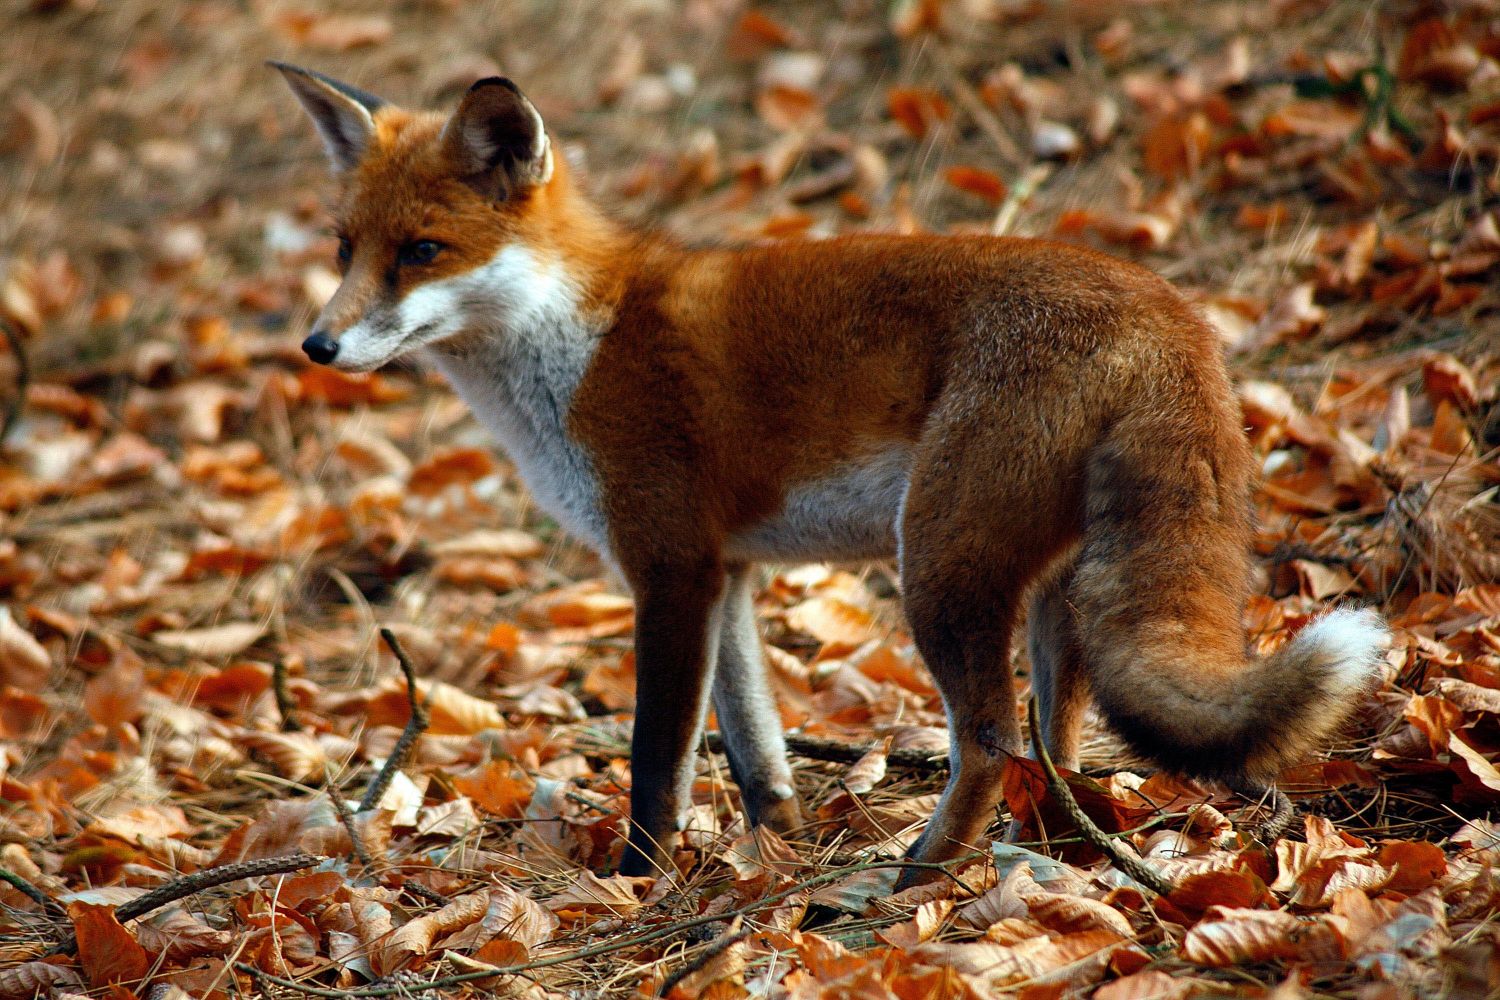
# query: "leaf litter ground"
202, 535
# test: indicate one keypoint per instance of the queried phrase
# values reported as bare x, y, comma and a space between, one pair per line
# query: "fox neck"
533, 320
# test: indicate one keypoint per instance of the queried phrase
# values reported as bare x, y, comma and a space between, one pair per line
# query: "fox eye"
346, 251
420, 252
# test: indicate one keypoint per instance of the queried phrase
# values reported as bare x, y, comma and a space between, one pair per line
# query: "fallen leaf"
109, 953
217, 642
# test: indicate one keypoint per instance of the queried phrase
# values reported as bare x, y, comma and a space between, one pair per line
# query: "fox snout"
320, 347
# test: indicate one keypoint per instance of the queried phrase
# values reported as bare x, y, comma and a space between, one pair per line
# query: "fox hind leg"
1057, 670
987, 509
962, 602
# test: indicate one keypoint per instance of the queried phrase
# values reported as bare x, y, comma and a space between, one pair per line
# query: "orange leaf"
1177, 144
1418, 864
1231, 936
110, 954
785, 108
755, 32
973, 180
503, 638
918, 109
337, 388
450, 467
1195, 893
114, 696
497, 789
1262, 217
1026, 793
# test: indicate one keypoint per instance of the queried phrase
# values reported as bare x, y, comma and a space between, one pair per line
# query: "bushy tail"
1159, 589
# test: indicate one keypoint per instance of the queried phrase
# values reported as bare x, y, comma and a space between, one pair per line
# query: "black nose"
321, 347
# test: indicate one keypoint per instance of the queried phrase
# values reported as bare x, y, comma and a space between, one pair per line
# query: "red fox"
1006, 417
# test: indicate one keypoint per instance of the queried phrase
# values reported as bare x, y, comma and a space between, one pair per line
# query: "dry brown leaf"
295, 756
760, 851
1066, 914
1074, 958
415, 939
109, 953
216, 642
179, 936
27, 980
509, 915
1229, 936
1152, 984
1478, 765
24, 662
453, 820
864, 774
831, 620
453, 710
616, 894
924, 923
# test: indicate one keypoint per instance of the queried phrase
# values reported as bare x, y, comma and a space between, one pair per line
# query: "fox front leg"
679, 609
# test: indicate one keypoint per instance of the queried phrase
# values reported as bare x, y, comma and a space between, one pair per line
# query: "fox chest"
523, 402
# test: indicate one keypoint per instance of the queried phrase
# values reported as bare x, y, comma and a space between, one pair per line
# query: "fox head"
443, 222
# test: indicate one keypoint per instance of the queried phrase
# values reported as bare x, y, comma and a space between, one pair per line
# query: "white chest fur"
519, 378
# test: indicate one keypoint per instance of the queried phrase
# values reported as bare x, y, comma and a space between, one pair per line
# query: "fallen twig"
33, 893
415, 726
421, 891
347, 818
1282, 811
1130, 865
848, 753
285, 706
187, 885
23, 380
974, 106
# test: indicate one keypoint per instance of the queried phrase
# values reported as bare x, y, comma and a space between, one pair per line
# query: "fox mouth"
356, 360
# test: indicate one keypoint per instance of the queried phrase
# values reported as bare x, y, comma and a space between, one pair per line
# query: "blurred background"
189, 511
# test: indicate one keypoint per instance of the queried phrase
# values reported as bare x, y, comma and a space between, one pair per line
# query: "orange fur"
1019, 411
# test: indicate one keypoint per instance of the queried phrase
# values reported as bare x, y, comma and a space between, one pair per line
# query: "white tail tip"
1352, 642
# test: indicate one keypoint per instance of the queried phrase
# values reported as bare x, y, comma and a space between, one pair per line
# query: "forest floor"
201, 535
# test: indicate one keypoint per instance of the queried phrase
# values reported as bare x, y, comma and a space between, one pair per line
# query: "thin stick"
1017, 195
597, 950
187, 885
1282, 811
840, 752
285, 706
347, 818
974, 105
23, 380
1131, 866
420, 891
181, 888
33, 893
415, 726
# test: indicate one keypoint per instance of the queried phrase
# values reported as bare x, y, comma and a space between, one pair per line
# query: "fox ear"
496, 141
343, 114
